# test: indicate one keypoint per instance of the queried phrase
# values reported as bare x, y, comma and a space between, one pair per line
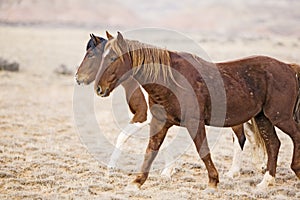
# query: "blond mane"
148, 61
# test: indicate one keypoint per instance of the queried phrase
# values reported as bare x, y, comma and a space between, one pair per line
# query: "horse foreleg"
168, 170
128, 131
136, 100
198, 134
272, 143
169, 163
158, 131
238, 145
236, 160
291, 128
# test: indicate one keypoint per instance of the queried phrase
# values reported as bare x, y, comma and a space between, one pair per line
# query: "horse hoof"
297, 172
110, 171
262, 186
232, 174
229, 174
167, 174
166, 177
133, 187
267, 180
210, 191
261, 167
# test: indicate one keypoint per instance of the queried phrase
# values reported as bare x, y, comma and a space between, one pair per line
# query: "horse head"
86, 73
115, 65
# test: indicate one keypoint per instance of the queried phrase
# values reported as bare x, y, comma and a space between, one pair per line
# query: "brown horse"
259, 87
86, 73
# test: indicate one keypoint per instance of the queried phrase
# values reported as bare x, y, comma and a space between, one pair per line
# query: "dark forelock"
91, 43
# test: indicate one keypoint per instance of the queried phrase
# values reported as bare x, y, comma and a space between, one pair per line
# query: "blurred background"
217, 17
225, 29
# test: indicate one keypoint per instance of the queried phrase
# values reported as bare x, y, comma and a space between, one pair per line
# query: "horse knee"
139, 117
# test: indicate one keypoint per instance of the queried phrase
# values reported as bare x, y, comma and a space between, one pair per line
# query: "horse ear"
109, 36
121, 40
95, 39
120, 36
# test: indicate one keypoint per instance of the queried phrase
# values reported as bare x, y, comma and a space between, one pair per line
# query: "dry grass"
42, 156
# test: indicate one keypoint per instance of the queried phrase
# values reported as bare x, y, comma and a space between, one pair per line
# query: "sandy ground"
43, 154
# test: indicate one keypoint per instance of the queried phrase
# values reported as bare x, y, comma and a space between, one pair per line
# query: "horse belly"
244, 100
240, 113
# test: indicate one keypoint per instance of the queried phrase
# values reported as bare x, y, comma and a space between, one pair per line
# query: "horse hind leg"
272, 143
291, 128
250, 132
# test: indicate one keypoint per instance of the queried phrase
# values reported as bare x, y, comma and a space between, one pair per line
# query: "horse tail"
296, 68
256, 140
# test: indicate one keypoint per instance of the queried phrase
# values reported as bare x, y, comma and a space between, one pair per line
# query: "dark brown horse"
86, 73
259, 87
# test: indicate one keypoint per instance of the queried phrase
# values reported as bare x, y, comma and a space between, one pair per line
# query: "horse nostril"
99, 90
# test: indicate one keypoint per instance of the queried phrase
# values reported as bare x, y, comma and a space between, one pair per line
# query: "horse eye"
90, 55
113, 59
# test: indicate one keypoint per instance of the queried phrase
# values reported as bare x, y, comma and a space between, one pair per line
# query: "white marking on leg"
122, 138
167, 172
210, 191
128, 131
253, 145
169, 160
267, 180
132, 187
236, 160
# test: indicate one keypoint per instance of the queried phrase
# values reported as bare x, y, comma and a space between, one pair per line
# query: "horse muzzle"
102, 93
78, 81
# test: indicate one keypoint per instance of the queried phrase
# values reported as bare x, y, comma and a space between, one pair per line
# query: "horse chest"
164, 107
